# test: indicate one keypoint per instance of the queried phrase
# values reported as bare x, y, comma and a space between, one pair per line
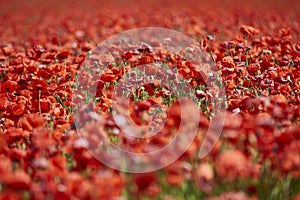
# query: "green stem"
39, 99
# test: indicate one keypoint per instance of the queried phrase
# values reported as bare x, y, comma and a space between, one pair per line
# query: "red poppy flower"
203, 176
38, 48
233, 164
18, 109
228, 61
17, 154
38, 85
18, 180
249, 31
175, 179
127, 55
7, 51
36, 121
109, 77
8, 86
153, 190
25, 124
87, 47
146, 60
63, 54
142, 181
3, 102
253, 68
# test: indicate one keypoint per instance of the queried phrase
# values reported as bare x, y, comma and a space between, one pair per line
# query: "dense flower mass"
256, 54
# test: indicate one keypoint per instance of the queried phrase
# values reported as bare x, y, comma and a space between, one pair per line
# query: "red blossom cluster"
42, 157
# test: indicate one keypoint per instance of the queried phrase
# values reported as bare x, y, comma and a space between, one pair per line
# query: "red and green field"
255, 48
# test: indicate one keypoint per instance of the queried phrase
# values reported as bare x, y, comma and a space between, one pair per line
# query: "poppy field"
232, 91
